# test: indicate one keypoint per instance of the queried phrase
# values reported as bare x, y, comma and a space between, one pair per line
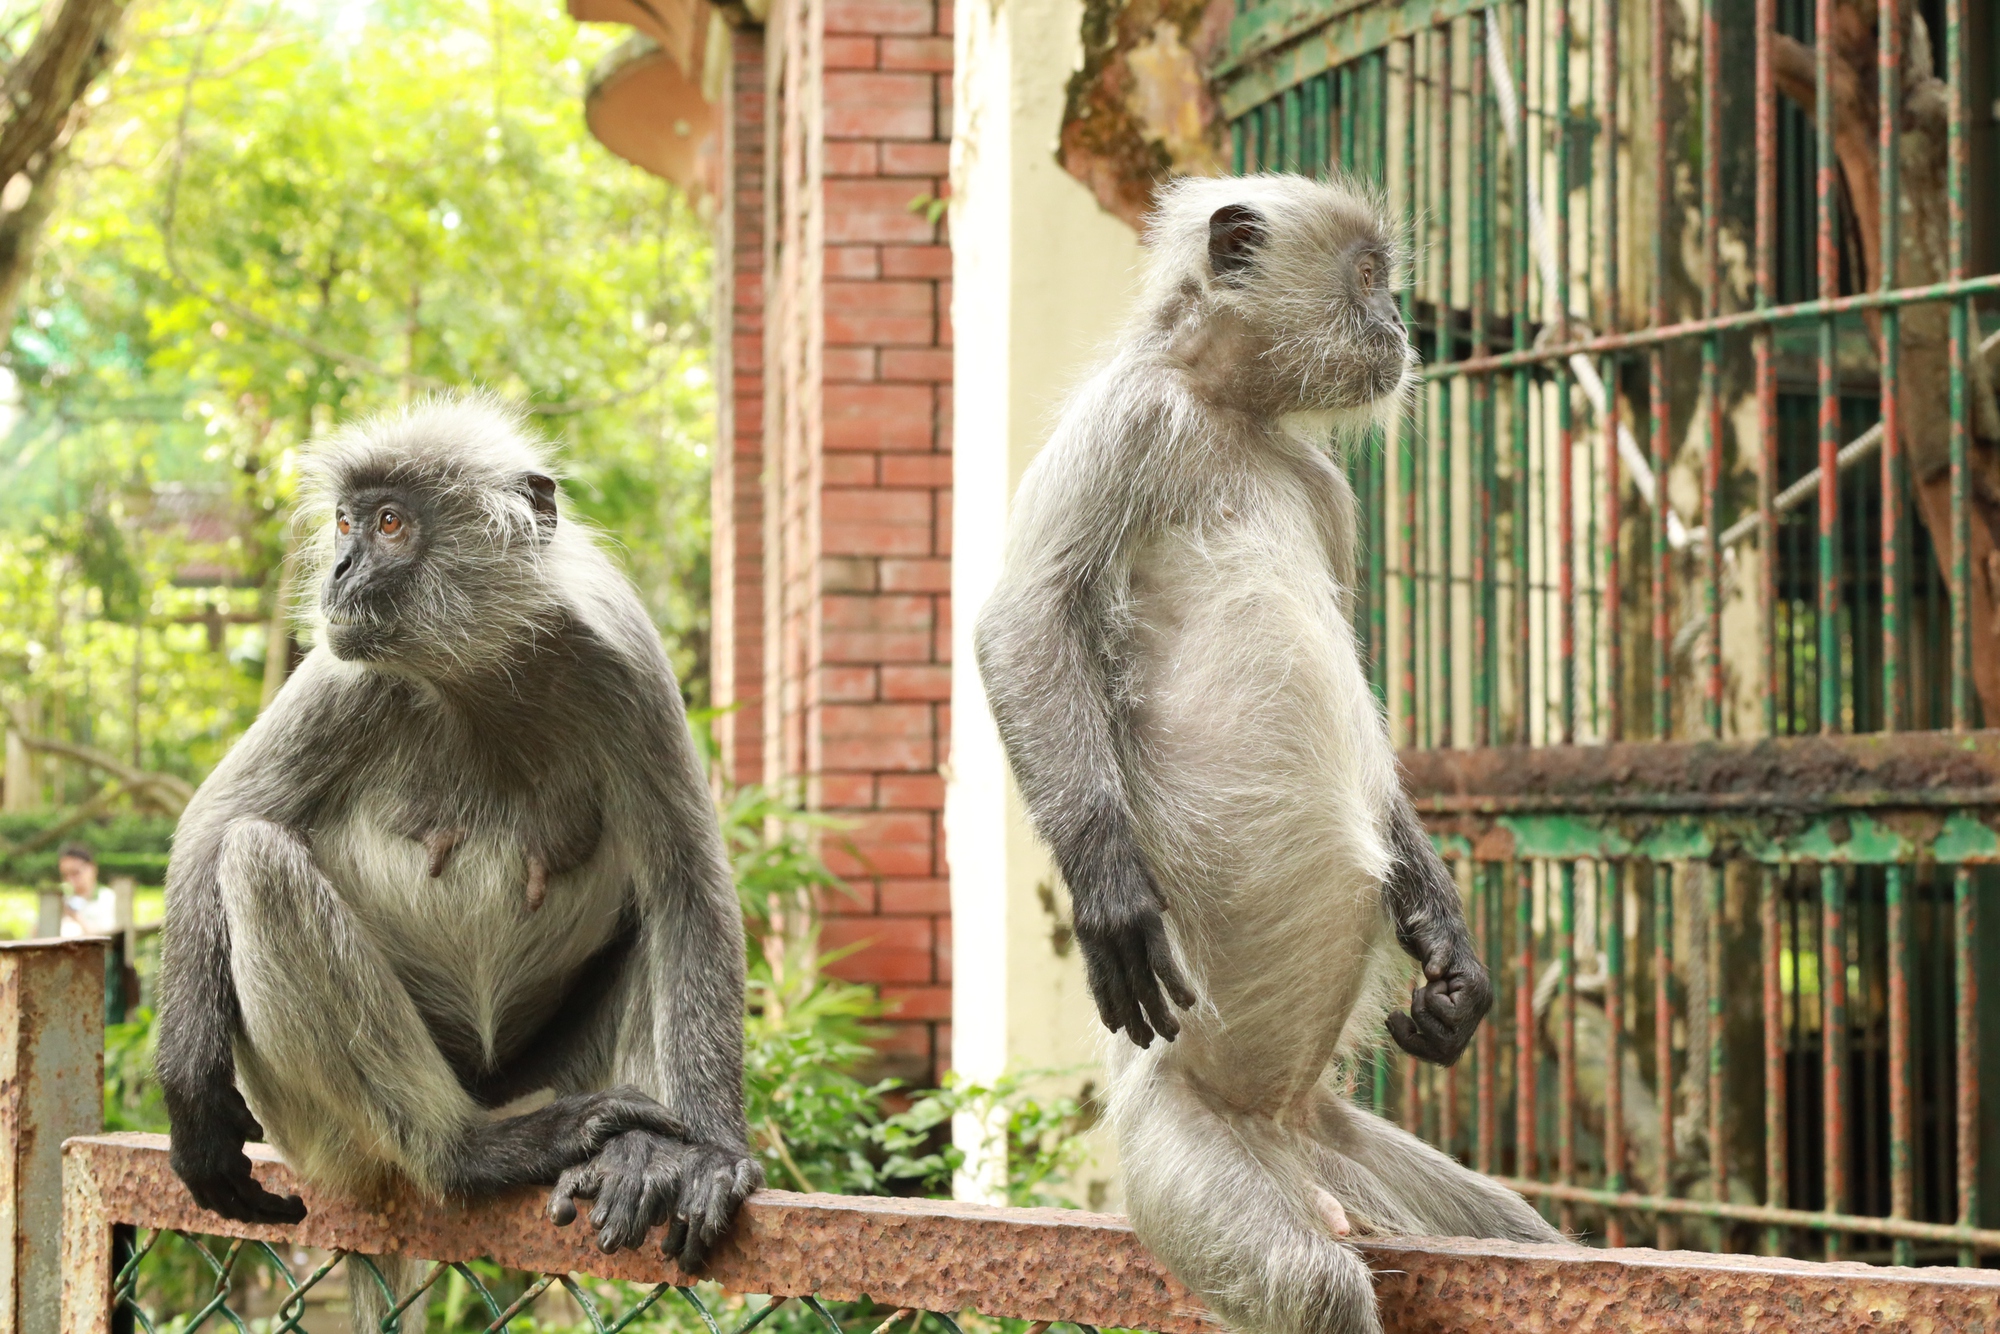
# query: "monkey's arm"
1043, 660
677, 1018
1422, 898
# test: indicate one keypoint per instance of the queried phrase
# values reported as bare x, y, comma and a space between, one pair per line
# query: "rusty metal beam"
51, 1087
1809, 774
1045, 1264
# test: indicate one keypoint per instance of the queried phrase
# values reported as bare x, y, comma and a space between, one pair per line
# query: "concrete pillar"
1043, 277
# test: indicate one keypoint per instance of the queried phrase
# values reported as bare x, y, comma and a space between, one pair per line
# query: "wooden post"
51, 1087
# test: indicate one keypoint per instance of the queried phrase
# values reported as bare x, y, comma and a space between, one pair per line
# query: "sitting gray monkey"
466, 857
1170, 661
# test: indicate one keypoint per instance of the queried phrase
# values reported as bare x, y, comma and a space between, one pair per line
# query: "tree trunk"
42, 107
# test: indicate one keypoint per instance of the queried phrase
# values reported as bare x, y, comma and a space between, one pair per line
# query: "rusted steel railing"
1030, 1264
51, 1087
119, 1200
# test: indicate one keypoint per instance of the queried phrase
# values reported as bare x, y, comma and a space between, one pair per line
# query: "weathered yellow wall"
1042, 277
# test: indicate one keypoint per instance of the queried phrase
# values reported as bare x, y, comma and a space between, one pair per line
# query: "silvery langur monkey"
1170, 661
466, 856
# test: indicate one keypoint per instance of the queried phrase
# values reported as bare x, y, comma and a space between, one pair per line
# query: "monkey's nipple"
538, 883
440, 844
1330, 1211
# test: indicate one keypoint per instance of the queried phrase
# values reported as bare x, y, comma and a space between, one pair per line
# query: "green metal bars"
1634, 529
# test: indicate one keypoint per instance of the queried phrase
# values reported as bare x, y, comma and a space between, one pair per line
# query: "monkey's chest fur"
1259, 780
486, 898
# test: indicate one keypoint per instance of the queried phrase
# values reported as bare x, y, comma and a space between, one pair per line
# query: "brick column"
736, 669
858, 492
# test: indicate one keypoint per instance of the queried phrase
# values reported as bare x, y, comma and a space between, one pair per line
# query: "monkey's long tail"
1245, 1211
371, 1305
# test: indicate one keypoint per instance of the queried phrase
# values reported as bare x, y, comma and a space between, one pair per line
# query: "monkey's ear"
541, 493
1235, 231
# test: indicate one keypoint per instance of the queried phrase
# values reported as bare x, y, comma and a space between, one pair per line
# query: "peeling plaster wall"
1139, 109
1043, 276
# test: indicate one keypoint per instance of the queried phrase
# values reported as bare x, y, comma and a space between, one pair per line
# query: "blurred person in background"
86, 909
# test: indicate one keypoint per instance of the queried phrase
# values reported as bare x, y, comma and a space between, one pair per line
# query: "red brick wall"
856, 458
737, 565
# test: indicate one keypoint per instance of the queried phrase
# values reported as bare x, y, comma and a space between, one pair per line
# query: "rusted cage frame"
1296, 84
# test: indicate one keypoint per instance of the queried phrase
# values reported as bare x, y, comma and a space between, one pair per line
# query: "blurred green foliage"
124, 844
282, 216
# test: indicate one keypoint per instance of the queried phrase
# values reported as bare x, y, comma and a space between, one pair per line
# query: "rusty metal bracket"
1039, 1264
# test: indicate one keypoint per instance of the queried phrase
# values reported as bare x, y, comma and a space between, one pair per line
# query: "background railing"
1692, 471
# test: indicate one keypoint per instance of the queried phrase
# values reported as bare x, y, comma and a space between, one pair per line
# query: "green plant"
1044, 1136
131, 1095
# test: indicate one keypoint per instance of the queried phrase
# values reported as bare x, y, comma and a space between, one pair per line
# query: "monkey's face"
378, 555
433, 576
1311, 270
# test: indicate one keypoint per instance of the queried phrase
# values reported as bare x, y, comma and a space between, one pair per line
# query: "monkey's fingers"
580, 1182
673, 1243
616, 1111
710, 1209
1099, 970
1145, 951
630, 1175
1404, 1032
273, 1208
1160, 958
1428, 1035
1133, 981
694, 1222
243, 1200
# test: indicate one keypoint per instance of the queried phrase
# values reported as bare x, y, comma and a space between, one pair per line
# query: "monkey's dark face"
1320, 290
435, 571
379, 548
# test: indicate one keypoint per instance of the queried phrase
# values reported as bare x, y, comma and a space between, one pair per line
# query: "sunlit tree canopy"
278, 217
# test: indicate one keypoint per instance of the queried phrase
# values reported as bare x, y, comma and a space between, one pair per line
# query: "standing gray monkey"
465, 858
1170, 661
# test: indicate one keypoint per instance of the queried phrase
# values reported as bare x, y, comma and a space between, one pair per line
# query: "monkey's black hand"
1446, 1010
1422, 897
207, 1155
1126, 955
642, 1179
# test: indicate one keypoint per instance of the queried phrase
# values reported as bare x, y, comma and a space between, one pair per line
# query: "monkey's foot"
1331, 1213
641, 1180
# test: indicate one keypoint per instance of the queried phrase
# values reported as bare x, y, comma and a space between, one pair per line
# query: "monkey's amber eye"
1366, 272
390, 523
343, 525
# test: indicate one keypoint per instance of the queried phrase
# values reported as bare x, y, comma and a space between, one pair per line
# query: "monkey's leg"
1401, 1184
1231, 1203
338, 1060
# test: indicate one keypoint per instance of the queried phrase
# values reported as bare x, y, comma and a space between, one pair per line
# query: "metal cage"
1673, 587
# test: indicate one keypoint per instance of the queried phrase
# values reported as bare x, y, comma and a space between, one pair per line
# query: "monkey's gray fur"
466, 859
1170, 660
